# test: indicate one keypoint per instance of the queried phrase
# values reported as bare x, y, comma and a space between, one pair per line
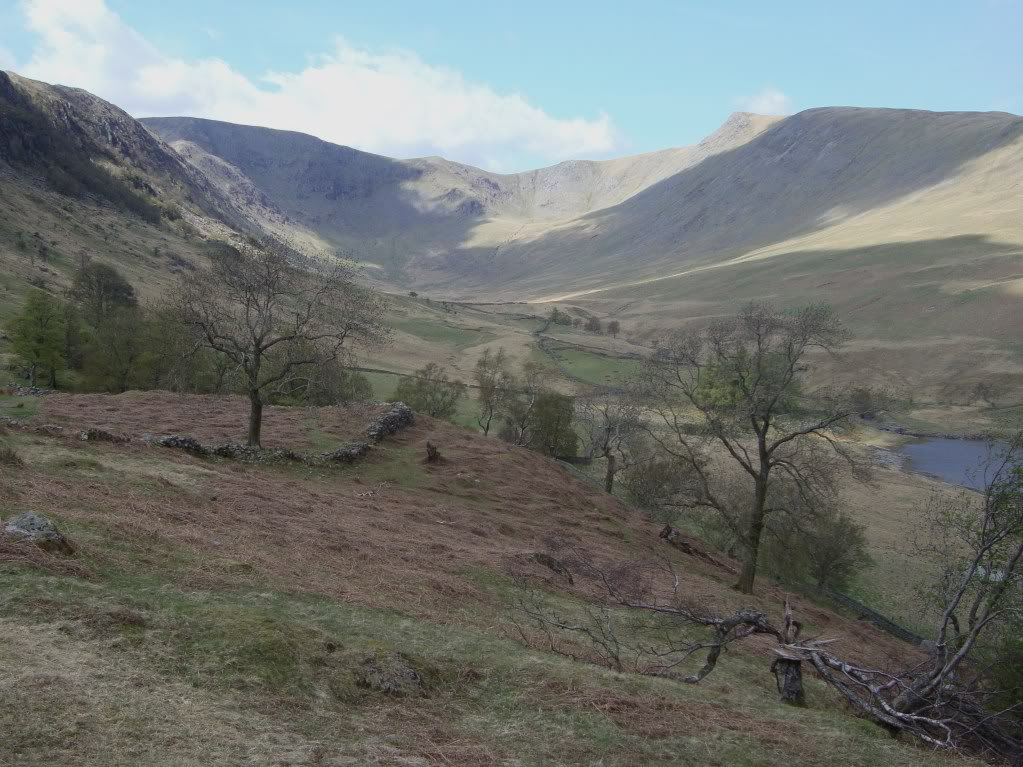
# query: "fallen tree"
946, 701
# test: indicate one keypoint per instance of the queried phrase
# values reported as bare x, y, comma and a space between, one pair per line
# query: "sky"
516, 85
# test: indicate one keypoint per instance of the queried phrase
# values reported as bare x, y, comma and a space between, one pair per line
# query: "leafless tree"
635, 630
272, 317
495, 386
737, 389
520, 407
612, 429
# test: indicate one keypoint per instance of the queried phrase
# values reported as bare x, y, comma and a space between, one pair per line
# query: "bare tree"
521, 407
611, 431
258, 308
495, 384
736, 389
637, 630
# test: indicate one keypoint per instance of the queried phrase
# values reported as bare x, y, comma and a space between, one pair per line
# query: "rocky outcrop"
179, 442
43, 532
399, 416
348, 453
102, 435
240, 452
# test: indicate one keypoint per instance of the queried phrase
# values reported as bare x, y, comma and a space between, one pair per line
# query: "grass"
597, 369
438, 331
244, 654
178, 650
18, 407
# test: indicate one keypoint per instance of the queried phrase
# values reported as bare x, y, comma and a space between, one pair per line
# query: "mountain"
587, 225
409, 215
909, 222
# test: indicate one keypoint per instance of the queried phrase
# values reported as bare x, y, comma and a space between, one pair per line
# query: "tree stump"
788, 666
788, 673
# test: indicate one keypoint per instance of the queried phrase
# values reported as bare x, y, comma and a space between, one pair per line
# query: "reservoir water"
956, 461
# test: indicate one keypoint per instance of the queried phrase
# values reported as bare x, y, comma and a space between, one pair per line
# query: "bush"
828, 553
431, 391
550, 428
9, 456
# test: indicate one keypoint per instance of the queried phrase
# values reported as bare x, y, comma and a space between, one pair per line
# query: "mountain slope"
412, 213
585, 225
909, 222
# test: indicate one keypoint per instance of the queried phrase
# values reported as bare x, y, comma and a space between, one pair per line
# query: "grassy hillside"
227, 613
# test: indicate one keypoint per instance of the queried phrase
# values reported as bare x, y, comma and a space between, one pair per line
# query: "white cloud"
393, 103
767, 101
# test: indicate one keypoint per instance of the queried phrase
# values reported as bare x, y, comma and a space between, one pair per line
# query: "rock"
31, 391
191, 444
240, 452
392, 674
35, 528
399, 416
348, 453
101, 435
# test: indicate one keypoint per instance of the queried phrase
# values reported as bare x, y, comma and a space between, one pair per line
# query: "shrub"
9, 456
431, 391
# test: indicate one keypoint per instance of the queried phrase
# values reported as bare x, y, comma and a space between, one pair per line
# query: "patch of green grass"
383, 385
596, 368
438, 331
401, 466
18, 407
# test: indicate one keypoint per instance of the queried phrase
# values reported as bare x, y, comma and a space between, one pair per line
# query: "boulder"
35, 528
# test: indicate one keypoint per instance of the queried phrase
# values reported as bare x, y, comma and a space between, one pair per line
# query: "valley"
449, 592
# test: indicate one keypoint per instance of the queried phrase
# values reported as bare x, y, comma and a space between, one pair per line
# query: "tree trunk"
753, 535
788, 673
255, 417
609, 475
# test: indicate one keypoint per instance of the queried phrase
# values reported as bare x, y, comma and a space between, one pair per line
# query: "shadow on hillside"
344, 194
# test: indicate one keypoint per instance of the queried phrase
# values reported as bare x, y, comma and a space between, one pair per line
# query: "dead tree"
272, 316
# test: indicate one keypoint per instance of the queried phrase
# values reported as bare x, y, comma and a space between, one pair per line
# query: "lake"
956, 461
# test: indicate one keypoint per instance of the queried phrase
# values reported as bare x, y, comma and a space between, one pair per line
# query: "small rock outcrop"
348, 453
240, 452
399, 416
35, 528
392, 674
189, 444
102, 435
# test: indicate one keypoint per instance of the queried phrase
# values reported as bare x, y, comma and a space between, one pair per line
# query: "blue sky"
514, 85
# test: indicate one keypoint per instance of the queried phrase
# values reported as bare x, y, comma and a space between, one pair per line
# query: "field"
219, 612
